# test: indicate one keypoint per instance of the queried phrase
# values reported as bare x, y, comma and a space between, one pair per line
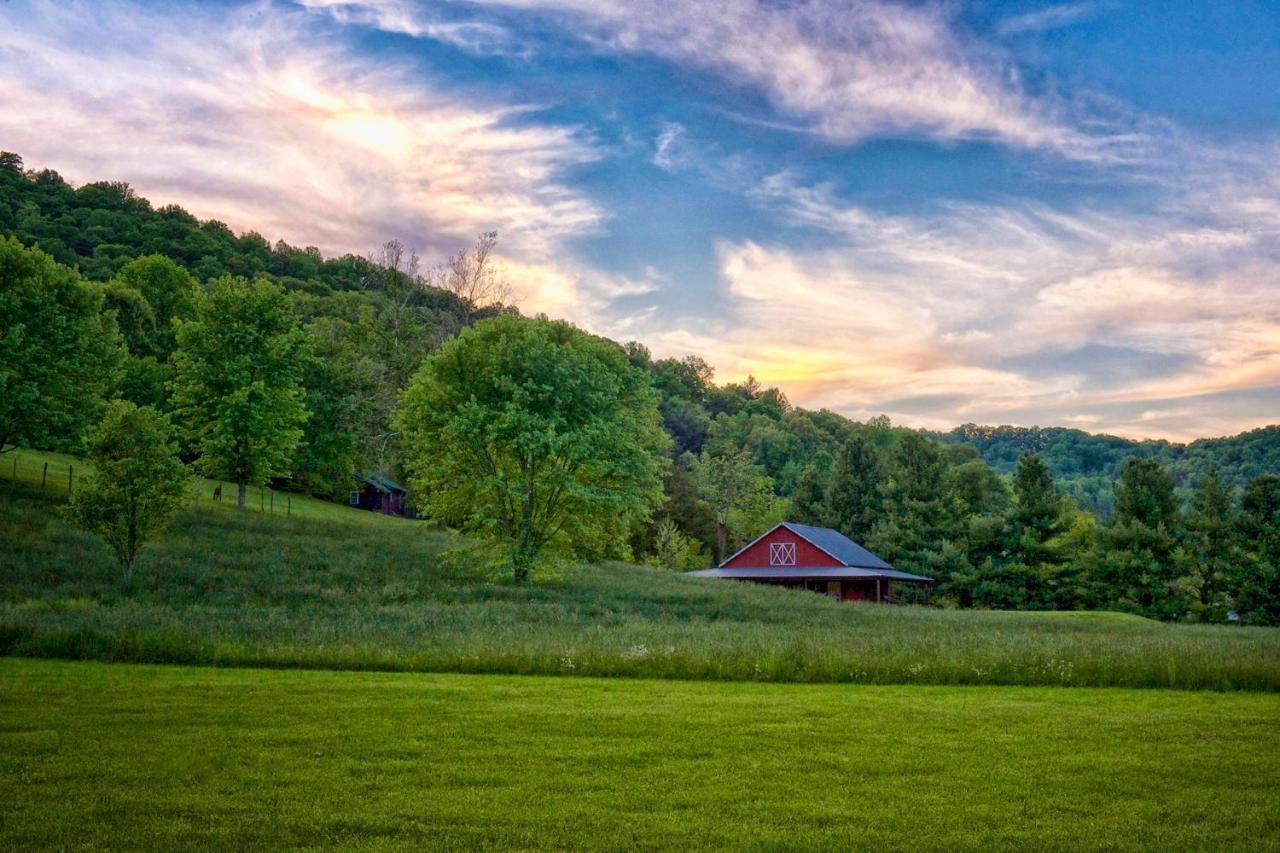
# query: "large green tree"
1211, 547
1138, 565
1258, 577
170, 294
238, 389
853, 498
535, 434
136, 482
59, 354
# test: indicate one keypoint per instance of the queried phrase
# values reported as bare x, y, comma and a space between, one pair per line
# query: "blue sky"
1033, 213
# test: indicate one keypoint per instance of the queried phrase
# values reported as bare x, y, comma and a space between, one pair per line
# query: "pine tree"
853, 499
1211, 545
1138, 565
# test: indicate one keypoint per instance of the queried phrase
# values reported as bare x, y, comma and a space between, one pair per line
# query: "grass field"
330, 587
140, 757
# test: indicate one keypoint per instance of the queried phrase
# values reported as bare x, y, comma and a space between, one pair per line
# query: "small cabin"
378, 494
818, 559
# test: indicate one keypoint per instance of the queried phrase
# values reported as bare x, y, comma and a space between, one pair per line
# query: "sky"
1055, 214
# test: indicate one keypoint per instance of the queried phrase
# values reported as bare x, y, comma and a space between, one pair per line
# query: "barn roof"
839, 546
835, 543
383, 484
847, 572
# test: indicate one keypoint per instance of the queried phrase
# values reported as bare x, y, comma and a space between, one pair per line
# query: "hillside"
331, 587
1086, 464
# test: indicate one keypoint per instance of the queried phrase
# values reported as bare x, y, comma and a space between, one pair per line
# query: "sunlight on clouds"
262, 119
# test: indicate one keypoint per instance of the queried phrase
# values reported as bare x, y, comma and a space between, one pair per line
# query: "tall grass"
353, 590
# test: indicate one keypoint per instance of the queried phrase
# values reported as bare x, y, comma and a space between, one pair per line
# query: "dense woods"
280, 365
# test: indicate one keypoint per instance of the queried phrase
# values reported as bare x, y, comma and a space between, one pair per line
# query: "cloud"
260, 116
1149, 325
850, 69
666, 153
1048, 18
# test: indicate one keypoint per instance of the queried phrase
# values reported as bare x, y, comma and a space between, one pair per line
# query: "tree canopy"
536, 434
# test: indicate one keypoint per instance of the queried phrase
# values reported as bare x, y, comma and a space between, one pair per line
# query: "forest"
335, 365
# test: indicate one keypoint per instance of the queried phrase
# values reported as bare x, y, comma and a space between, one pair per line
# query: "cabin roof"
796, 572
382, 483
840, 547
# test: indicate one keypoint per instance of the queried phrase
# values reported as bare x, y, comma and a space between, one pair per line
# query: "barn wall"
807, 555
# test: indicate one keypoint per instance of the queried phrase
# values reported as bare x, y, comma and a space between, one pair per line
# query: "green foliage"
59, 354
169, 293
332, 587
853, 499
537, 434
1211, 547
135, 485
238, 386
675, 551
1138, 560
740, 496
1259, 576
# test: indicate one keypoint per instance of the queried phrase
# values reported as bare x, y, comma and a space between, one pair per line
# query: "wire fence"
58, 476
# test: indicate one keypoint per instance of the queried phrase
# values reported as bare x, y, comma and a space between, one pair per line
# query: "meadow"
236, 758
327, 587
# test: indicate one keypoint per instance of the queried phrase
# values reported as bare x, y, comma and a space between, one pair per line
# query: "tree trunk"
721, 533
242, 485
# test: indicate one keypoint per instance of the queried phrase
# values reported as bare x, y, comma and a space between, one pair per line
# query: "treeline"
1085, 465
232, 337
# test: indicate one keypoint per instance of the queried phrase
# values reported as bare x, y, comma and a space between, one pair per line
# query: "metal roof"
839, 546
835, 543
802, 573
380, 482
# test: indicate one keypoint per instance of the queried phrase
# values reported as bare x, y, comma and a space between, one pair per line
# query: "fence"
58, 476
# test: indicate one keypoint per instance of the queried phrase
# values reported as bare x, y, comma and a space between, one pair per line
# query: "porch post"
877, 590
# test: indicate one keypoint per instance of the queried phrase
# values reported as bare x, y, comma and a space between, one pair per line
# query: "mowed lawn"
134, 757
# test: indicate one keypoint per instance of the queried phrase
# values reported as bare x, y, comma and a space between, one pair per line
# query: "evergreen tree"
808, 502
1211, 544
853, 500
1258, 578
1137, 568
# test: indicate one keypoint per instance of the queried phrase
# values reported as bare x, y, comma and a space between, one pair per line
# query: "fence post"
15, 465
70, 470
288, 505
261, 502
273, 501
44, 478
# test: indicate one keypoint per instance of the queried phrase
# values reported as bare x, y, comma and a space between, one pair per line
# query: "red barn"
813, 558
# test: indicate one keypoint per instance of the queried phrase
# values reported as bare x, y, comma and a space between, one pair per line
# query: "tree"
1211, 547
674, 551
535, 434
739, 493
853, 498
136, 483
1259, 581
238, 386
473, 277
169, 292
1137, 567
1038, 513
59, 354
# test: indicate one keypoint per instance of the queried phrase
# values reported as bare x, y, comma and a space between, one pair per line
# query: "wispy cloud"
1048, 18
1012, 313
260, 117
851, 69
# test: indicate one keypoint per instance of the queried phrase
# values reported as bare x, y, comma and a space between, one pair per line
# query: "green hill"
332, 587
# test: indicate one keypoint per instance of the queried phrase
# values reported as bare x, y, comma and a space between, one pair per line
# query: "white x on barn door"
782, 553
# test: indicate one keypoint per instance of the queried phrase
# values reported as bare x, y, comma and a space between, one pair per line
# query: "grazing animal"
217, 492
